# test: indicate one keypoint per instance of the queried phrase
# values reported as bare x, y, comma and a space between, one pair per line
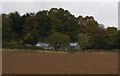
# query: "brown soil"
59, 63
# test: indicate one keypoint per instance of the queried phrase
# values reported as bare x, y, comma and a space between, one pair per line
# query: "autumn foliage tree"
58, 39
84, 40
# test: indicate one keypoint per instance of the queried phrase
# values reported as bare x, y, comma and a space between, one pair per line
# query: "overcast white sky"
105, 12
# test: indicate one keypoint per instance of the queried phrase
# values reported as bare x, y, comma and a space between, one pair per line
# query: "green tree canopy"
6, 28
43, 23
58, 26
30, 31
63, 21
17, 24
111, 34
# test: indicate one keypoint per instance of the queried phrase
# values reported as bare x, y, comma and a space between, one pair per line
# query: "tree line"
58, 27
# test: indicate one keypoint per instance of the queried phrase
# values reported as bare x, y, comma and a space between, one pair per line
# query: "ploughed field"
45, 62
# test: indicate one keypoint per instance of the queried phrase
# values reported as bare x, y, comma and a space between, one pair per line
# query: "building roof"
73, 44
42, 44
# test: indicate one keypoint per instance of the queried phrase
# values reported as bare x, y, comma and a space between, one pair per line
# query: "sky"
105, 12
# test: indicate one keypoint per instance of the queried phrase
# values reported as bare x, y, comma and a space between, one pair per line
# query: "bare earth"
59, 63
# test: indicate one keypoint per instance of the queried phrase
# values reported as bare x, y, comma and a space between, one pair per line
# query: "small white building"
74, 46
44, 45
71, 46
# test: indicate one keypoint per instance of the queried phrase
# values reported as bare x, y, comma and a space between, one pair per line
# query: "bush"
15, 45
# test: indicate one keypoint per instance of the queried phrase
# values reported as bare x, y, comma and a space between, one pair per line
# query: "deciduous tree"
58, 39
